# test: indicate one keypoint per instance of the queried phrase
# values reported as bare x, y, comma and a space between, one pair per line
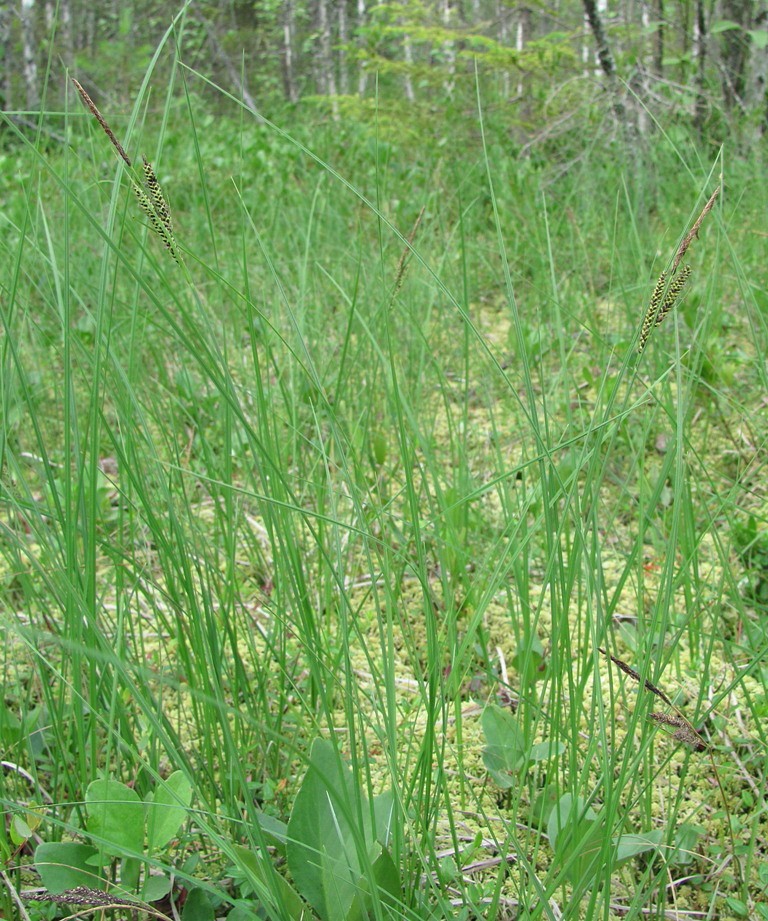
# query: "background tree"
704, 58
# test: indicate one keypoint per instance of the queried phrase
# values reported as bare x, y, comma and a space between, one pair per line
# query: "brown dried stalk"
102, 121
683, 248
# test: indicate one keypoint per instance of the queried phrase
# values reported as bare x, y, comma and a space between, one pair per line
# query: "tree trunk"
658, 44
521, 34
29, 53
5, 51
604, 56
700, 50
362, 76
326, 78
343, 39
502, 14
735, 51
607, 65
449, 50
289, 28
408, 58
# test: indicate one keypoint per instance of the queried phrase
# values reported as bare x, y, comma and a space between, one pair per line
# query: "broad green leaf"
115, 817
759, 38
576, 833
243, 912
723, 25
197, 907
388, 886
544, 751
322, 845
739, 908
384, 816
155, 888
529, 656
686, 840
130, 872
20, 831
167, 810
628, 846
505, 754
287, 900
568, 814
64, 865
275, 832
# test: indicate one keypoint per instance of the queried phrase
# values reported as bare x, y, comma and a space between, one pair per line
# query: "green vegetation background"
375, 457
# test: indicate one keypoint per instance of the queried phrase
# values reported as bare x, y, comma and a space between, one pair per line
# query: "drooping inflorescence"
153, 203
658, 309
151, 199
675, 288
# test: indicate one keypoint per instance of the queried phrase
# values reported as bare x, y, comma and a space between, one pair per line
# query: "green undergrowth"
311, 542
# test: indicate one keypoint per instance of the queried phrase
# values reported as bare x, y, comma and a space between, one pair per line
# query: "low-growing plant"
336, 844
123, 833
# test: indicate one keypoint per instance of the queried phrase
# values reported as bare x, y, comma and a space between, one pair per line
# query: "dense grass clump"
354, 563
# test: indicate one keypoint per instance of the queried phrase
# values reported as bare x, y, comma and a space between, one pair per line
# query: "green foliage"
576, 834
509, 751
752, 546
337, 841
124, 829
325, 505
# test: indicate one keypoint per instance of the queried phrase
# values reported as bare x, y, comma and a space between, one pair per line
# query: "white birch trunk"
448, 49
289, 73
362, 77
502, 12
408, 57
343, 39
29, 53
327, 81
